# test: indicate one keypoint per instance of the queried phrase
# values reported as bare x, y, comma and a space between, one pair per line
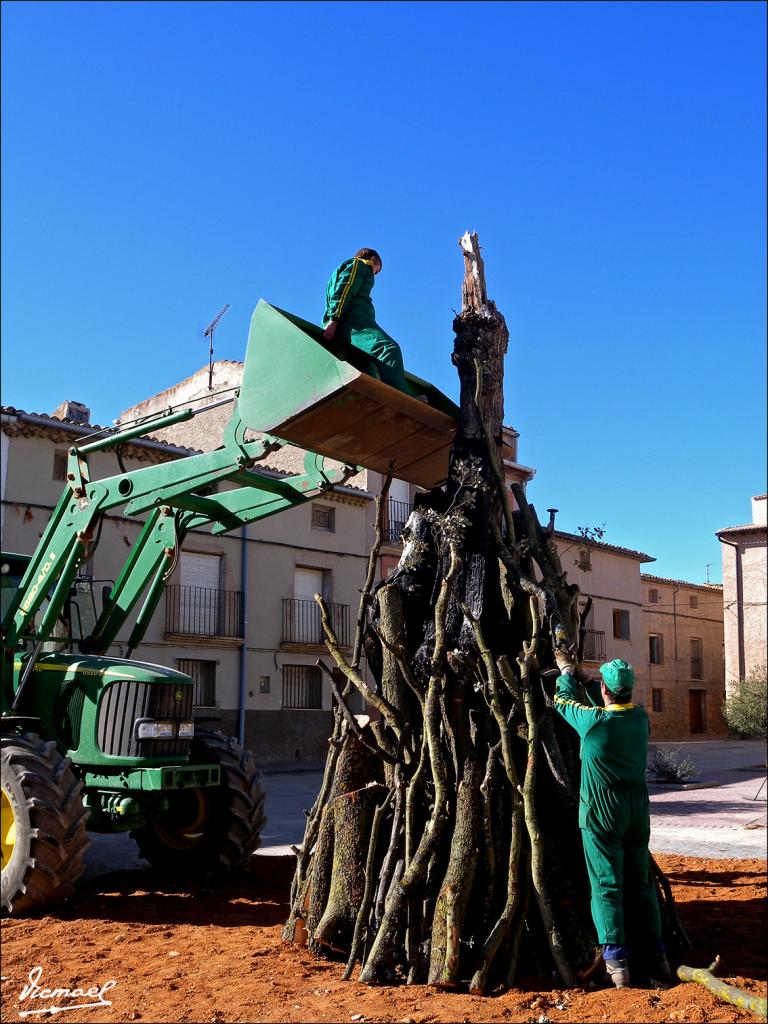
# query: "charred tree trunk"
444, 846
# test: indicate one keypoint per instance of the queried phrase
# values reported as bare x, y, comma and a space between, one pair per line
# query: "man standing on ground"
350, 317
614, 814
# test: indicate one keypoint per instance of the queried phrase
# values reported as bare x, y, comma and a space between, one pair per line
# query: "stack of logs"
444, 846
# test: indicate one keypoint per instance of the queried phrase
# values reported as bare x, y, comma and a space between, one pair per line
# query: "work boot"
618, 972
660, 974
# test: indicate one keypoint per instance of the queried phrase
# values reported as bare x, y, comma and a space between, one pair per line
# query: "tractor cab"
328, 399
77, 616
12, 568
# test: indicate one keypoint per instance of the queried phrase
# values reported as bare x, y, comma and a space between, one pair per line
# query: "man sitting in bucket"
350, 317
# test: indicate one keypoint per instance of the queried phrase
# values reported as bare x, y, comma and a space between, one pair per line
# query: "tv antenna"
708, 565
208, 333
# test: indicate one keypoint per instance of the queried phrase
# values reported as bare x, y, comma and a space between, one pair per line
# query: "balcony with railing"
203, 612
302, 626
594, 645
397, 517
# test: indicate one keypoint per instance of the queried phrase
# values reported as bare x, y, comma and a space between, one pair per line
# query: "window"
59, 464
694, 600
584, 561
308, 582
264, 684
302, 686
620, 624
324, 518
657, 700
653, 596
656, 649
200, 596
697, 658
203, 674
86, 568
301, 614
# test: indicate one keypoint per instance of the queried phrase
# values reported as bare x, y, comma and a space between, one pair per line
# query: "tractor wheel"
209, 829
42, 835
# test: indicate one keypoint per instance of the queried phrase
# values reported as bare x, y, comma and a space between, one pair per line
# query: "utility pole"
208, 333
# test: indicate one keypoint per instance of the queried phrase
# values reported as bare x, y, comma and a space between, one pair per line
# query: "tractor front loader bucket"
303, 389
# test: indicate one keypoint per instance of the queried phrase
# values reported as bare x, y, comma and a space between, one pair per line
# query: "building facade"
608, 577
683, 625
238, 613
745, 574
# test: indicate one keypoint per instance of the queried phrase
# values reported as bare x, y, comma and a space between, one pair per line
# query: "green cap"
618, 675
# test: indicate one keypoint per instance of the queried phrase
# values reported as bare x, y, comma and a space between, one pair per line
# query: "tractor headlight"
156, 731
186, 730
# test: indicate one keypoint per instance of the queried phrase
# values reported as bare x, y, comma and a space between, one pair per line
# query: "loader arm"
153, 555
167, 493
310, 396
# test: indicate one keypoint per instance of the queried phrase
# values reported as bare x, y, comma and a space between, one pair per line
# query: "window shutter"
307, 583
200, 571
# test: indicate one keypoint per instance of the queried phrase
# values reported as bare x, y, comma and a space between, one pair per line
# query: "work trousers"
383, 349
615, 829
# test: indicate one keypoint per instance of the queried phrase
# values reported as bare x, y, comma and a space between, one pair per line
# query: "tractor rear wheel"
42, 834
209, 829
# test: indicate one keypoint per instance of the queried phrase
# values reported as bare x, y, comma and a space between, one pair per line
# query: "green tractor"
94, 743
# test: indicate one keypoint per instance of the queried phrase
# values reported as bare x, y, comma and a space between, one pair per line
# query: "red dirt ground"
217, 955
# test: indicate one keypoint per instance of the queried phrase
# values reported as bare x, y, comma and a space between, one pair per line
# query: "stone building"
745, 570
683, 658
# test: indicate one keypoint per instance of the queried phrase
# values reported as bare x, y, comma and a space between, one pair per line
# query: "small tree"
668, 766
746, 710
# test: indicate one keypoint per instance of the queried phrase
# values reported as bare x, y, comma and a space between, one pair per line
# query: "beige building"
610, 576
683, 658
238, 614
745, 572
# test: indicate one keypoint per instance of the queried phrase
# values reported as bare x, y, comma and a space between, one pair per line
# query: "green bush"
669, 767
746, 710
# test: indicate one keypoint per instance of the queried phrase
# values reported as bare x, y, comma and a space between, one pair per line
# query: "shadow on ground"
256, 897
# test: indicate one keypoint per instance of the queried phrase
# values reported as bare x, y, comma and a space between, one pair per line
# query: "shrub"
669, 767
746, 710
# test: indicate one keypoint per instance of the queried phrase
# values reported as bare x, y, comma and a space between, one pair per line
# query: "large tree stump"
444, 846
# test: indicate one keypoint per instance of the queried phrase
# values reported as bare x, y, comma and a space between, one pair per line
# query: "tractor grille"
125, 701
73, 718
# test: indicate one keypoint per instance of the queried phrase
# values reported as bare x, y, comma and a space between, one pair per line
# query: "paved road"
720, 820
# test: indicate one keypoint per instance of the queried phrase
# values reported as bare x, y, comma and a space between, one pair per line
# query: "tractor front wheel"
42, 824
213, 828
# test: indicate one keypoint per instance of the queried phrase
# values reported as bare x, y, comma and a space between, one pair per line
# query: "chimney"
75, 412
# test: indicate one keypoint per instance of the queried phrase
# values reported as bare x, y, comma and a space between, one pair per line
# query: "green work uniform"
348, 301
614, 813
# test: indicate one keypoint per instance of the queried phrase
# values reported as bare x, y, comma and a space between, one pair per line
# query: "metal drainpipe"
739, 606
674, 621
243, 646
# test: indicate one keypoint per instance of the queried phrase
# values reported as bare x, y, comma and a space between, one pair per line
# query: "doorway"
697, 710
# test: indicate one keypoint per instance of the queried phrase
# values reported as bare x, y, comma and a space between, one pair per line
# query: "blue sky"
161, 159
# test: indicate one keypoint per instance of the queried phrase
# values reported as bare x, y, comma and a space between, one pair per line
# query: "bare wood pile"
444, 846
